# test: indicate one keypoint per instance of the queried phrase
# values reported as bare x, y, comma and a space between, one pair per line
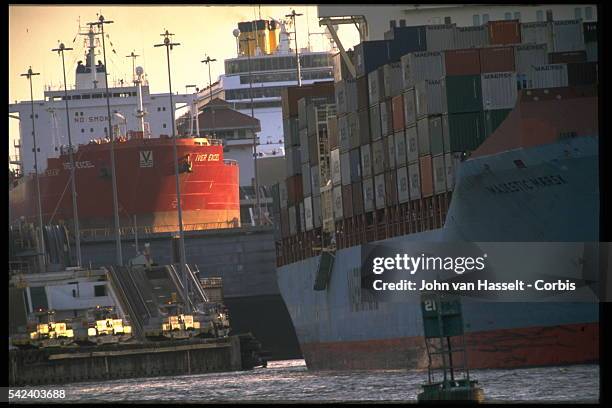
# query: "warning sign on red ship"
146, 158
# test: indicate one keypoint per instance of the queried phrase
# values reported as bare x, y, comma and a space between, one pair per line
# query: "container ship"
446, 134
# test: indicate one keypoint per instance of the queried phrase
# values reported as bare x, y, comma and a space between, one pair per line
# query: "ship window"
82, 130
81, 113
86, 96
91, 130
539, 15
99, 290
517, 15
76, 96
476, 20
549, 15
158, 108
164, 108
76, 113
447, 20
588, 13
96, 96
508, 15
578, 13
402, 23
164, 125
391, 24
485, 18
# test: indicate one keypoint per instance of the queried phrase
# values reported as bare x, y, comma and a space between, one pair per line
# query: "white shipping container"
498, 90
429, 95
451, 163
378, 157
337, 200
379, 191
334, 159
292, 221
376, 89
414, 176
282, 193
412, 144
317, 216
400, 148
345, 168
306, 180
440, 37
439, 174
568, 35
304, 153
548, 76
528, 55
390, 162
409, 107
392, 79
343, 133
385, 119
471, 37
537, 33
368, 194
418, 66
403, 190
308, 214
366, 161
315, 177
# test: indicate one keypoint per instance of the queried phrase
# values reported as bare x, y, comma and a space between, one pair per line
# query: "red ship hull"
146, 186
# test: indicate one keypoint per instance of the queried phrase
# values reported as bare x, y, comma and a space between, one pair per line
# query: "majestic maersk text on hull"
146, 186
339, 328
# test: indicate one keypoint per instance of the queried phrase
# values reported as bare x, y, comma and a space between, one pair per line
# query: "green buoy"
442, 319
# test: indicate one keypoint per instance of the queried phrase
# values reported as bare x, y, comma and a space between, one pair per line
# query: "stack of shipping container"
422, 99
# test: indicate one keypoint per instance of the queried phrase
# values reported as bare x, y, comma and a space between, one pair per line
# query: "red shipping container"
347, 201
504, 32
398, 113
462, 62
567, 57
294, 189
357, 203
497, 59
426, 176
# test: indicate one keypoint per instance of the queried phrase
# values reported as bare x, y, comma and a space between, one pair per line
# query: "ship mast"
91, 35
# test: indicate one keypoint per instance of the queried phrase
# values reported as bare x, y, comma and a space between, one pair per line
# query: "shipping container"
351, 95
306, 180
567, 57
376, 88
405, 40
364, 126
304, 146
568, 35
317, 215
370, 55
465, 130
440, 37
366, 160
584, 73
345, 168
302, 113
497, 59
389, 152
462, 62
343, 133
334, 160
293, 220
332, 132
392, 79
391, 188
284, 222
499, 90
291, 94
315, 177
423, 136
409, 107
347, 201
340, 96
355, 164
357, 203
337, 202
379, 191
420, 66
291, 134
313, 147
353, 130
439, 174
378, 156
375, 128
412, 144
295, 192
397, 106
436, 138
302, 218
403, 194
293, 160
400, 148
451, 163
503, 32
547, 76
537, 33
471, 37
341, 72
386, 118
308, 214
527, 55
592, 51
282, 193
494, 118
426, 172
590, 32
429, 95
362, 93
414, 177
368, 194
462, 93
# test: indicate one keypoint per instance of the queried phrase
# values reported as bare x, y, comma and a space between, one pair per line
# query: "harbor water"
290, 380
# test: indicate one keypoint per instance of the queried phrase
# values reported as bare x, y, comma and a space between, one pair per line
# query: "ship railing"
98, 233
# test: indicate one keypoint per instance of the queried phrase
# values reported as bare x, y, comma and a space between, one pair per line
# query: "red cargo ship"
145, 185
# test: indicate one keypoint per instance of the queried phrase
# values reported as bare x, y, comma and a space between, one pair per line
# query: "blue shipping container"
370, 55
